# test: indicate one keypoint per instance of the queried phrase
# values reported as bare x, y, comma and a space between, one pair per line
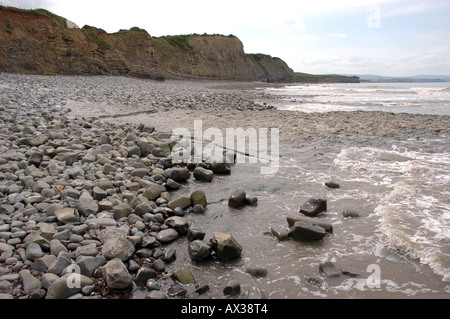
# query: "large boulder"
116, 245
178, 174
117, 277
226, 247
199, 250
203, 174
182, 202
313, 221
307, 232
198, 197
237, 199
154, 191
179, 224
67, 286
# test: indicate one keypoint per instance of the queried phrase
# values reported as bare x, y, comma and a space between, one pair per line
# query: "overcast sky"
384, 37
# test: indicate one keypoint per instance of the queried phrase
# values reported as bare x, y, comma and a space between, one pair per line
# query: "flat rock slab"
67, 215
307, 232
313, 207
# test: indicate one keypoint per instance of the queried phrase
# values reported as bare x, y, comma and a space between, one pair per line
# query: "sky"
383, 37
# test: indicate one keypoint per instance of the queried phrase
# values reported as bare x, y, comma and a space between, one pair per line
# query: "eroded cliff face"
39, 42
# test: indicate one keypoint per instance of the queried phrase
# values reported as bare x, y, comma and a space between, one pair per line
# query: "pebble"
232, 288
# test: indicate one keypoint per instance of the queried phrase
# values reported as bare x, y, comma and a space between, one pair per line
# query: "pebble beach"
88, 187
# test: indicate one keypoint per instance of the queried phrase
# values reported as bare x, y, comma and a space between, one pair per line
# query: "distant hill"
324, 78
408, 79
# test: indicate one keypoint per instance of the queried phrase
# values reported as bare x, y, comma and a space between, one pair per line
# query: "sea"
413, 98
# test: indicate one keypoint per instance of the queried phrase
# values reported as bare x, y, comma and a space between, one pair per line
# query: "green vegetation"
168, 46
8, 28
59, 21
133, 30
307, 75
31, 29
92, 34
324, 78
258, 56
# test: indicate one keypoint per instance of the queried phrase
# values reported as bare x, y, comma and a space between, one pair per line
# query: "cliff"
40, 42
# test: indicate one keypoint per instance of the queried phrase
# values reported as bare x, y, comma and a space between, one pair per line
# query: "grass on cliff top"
307, 75
133, 30
61, 22
92, 34
258, 56
168, 46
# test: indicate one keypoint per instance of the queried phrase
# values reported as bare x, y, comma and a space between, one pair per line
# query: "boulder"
280, 234
117, 277
195, 234
87, 206
199, 209
220, 166
88, 265
226, 247
154, 191
332, 185
35, 158
179, 224
167, 235
237, 200
198, 197
232, 288
348, 213
122, 210
182, 201
313, 221
144, 274
199, 250
34, 251
67, 215
139, 172
178, 174
62, 262
307, 232
256, 271
313, 206
329, 269
251, 201
118, 247
30, 283
203, 174
184, 276
67, 286
56, 247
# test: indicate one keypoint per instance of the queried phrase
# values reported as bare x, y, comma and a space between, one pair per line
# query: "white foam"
415, 210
